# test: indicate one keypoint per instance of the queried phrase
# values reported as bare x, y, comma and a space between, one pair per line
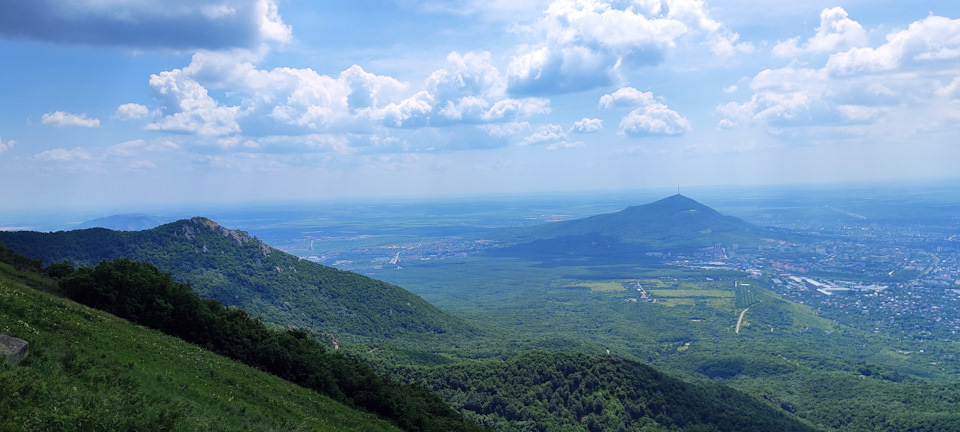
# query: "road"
741, 319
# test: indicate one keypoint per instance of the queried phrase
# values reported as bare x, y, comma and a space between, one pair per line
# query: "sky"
134, 102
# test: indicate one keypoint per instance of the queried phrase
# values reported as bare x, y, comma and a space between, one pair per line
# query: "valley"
805, 319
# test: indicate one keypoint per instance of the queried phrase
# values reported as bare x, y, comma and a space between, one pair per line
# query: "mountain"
240, 270
89, 370
125, 222
672, 224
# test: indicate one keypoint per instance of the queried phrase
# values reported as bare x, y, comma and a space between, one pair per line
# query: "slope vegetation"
239, 270
552, 392
88, 370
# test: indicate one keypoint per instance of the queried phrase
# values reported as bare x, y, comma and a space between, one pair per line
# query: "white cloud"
779, 94
369, 90
470, 74
188, 108
468, 89
647, 117
951, 90
131, 111
627, 97
582, 43
898, 85
928, 42
552, 135
147, 24
63, 155
653, 119
836, 32
61, 119
4, 146
732, 88
546, 133
411, 111
587, 125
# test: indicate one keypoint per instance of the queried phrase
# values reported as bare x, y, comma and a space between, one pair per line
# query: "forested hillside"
541, 391
239, 270
88, 370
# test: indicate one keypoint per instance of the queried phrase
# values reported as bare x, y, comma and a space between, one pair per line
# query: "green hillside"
576, 392
240, 270
88, 370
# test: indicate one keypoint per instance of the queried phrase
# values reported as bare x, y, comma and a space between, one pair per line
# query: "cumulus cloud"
188, 108
4, 146
63, 155
466, 90
876, 86
147, 24
627, 97
587, 125
583, 42
552, 135
546, 133
131, 111
779, 94
836, 32
647, 117
927, 42
61, 119
653, 119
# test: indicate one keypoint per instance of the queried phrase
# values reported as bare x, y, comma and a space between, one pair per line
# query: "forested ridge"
141, 293
541, 391
88, 370
239, 270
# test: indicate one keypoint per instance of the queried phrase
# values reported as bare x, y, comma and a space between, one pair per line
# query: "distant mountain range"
240, 270
125, 222
672, 224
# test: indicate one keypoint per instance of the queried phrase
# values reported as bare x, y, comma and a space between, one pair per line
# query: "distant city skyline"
109, 103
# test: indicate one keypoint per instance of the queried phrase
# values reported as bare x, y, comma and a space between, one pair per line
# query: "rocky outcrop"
197, 224
13, 349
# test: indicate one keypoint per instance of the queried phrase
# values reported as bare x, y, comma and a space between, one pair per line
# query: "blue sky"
110, 102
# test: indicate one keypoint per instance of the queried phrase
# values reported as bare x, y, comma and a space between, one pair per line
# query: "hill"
672, 224
551, 391
88, 370
240, 270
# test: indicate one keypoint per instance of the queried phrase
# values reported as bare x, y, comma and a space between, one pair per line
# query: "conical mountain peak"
676, 221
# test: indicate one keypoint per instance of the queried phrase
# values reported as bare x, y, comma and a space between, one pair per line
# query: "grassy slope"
90, 370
